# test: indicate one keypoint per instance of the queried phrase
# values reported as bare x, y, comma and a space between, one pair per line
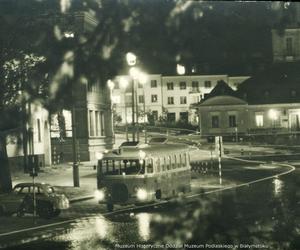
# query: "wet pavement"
262, 214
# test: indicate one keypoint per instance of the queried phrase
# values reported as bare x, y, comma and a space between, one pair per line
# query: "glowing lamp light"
134, 72
131, 59
99, 195
110, 84
142, 194
273, 114
143, 78
180, 69
123, 82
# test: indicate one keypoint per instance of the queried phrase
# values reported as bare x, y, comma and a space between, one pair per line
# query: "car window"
17, 189
36, 189
24, 190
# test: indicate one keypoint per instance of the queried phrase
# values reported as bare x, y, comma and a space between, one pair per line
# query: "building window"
170, 100
293, 93
102, 123
39, 130
182, 99
215, 121
182, 85
141, 99
259, 120
140, 85
153, 98
195, 86
153, 84
289, 46
170, 86
98, 124
232, 121
92, 122
171, 117
207, 84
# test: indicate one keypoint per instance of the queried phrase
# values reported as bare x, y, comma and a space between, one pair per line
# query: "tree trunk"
5, 177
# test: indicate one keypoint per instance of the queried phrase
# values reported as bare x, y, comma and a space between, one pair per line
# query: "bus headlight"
142, 194
99, 195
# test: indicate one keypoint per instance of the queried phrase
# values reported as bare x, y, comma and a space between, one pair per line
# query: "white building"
169, 96
38, 138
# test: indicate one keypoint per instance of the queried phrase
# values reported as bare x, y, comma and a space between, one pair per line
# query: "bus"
137, 174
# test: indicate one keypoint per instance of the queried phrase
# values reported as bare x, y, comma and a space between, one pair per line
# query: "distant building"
33, 140
263, 103
169, 96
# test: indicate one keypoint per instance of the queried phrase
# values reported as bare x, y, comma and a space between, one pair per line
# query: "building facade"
227, 115
34, 139
166, 96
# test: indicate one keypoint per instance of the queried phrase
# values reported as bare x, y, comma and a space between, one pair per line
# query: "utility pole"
74, 145
132, 106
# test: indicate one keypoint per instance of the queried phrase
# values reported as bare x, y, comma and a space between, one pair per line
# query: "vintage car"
20, 200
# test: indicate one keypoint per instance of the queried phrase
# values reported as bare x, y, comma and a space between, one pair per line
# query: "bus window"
164, 164
157, 165
174, 162
183, 160
150, 166
180, 161
168, 163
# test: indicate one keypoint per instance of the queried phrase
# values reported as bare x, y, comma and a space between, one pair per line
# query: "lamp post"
111, 86
143, 79
131, 61
123, 85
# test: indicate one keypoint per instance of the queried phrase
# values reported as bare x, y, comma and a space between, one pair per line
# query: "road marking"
291, 169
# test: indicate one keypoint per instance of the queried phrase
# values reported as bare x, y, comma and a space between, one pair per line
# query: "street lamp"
123, 85
131, 61
143, 79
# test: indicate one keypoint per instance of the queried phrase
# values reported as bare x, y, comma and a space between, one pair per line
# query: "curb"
83, 198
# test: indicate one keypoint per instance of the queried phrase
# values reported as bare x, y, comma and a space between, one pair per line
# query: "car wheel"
45, 210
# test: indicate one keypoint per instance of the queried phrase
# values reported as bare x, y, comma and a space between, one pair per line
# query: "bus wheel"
110, 207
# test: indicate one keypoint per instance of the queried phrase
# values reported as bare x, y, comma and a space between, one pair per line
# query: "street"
251, 195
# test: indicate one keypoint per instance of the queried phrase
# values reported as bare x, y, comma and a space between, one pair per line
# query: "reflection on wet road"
253, 213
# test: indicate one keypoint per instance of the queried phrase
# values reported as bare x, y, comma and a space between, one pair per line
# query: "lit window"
259, 120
